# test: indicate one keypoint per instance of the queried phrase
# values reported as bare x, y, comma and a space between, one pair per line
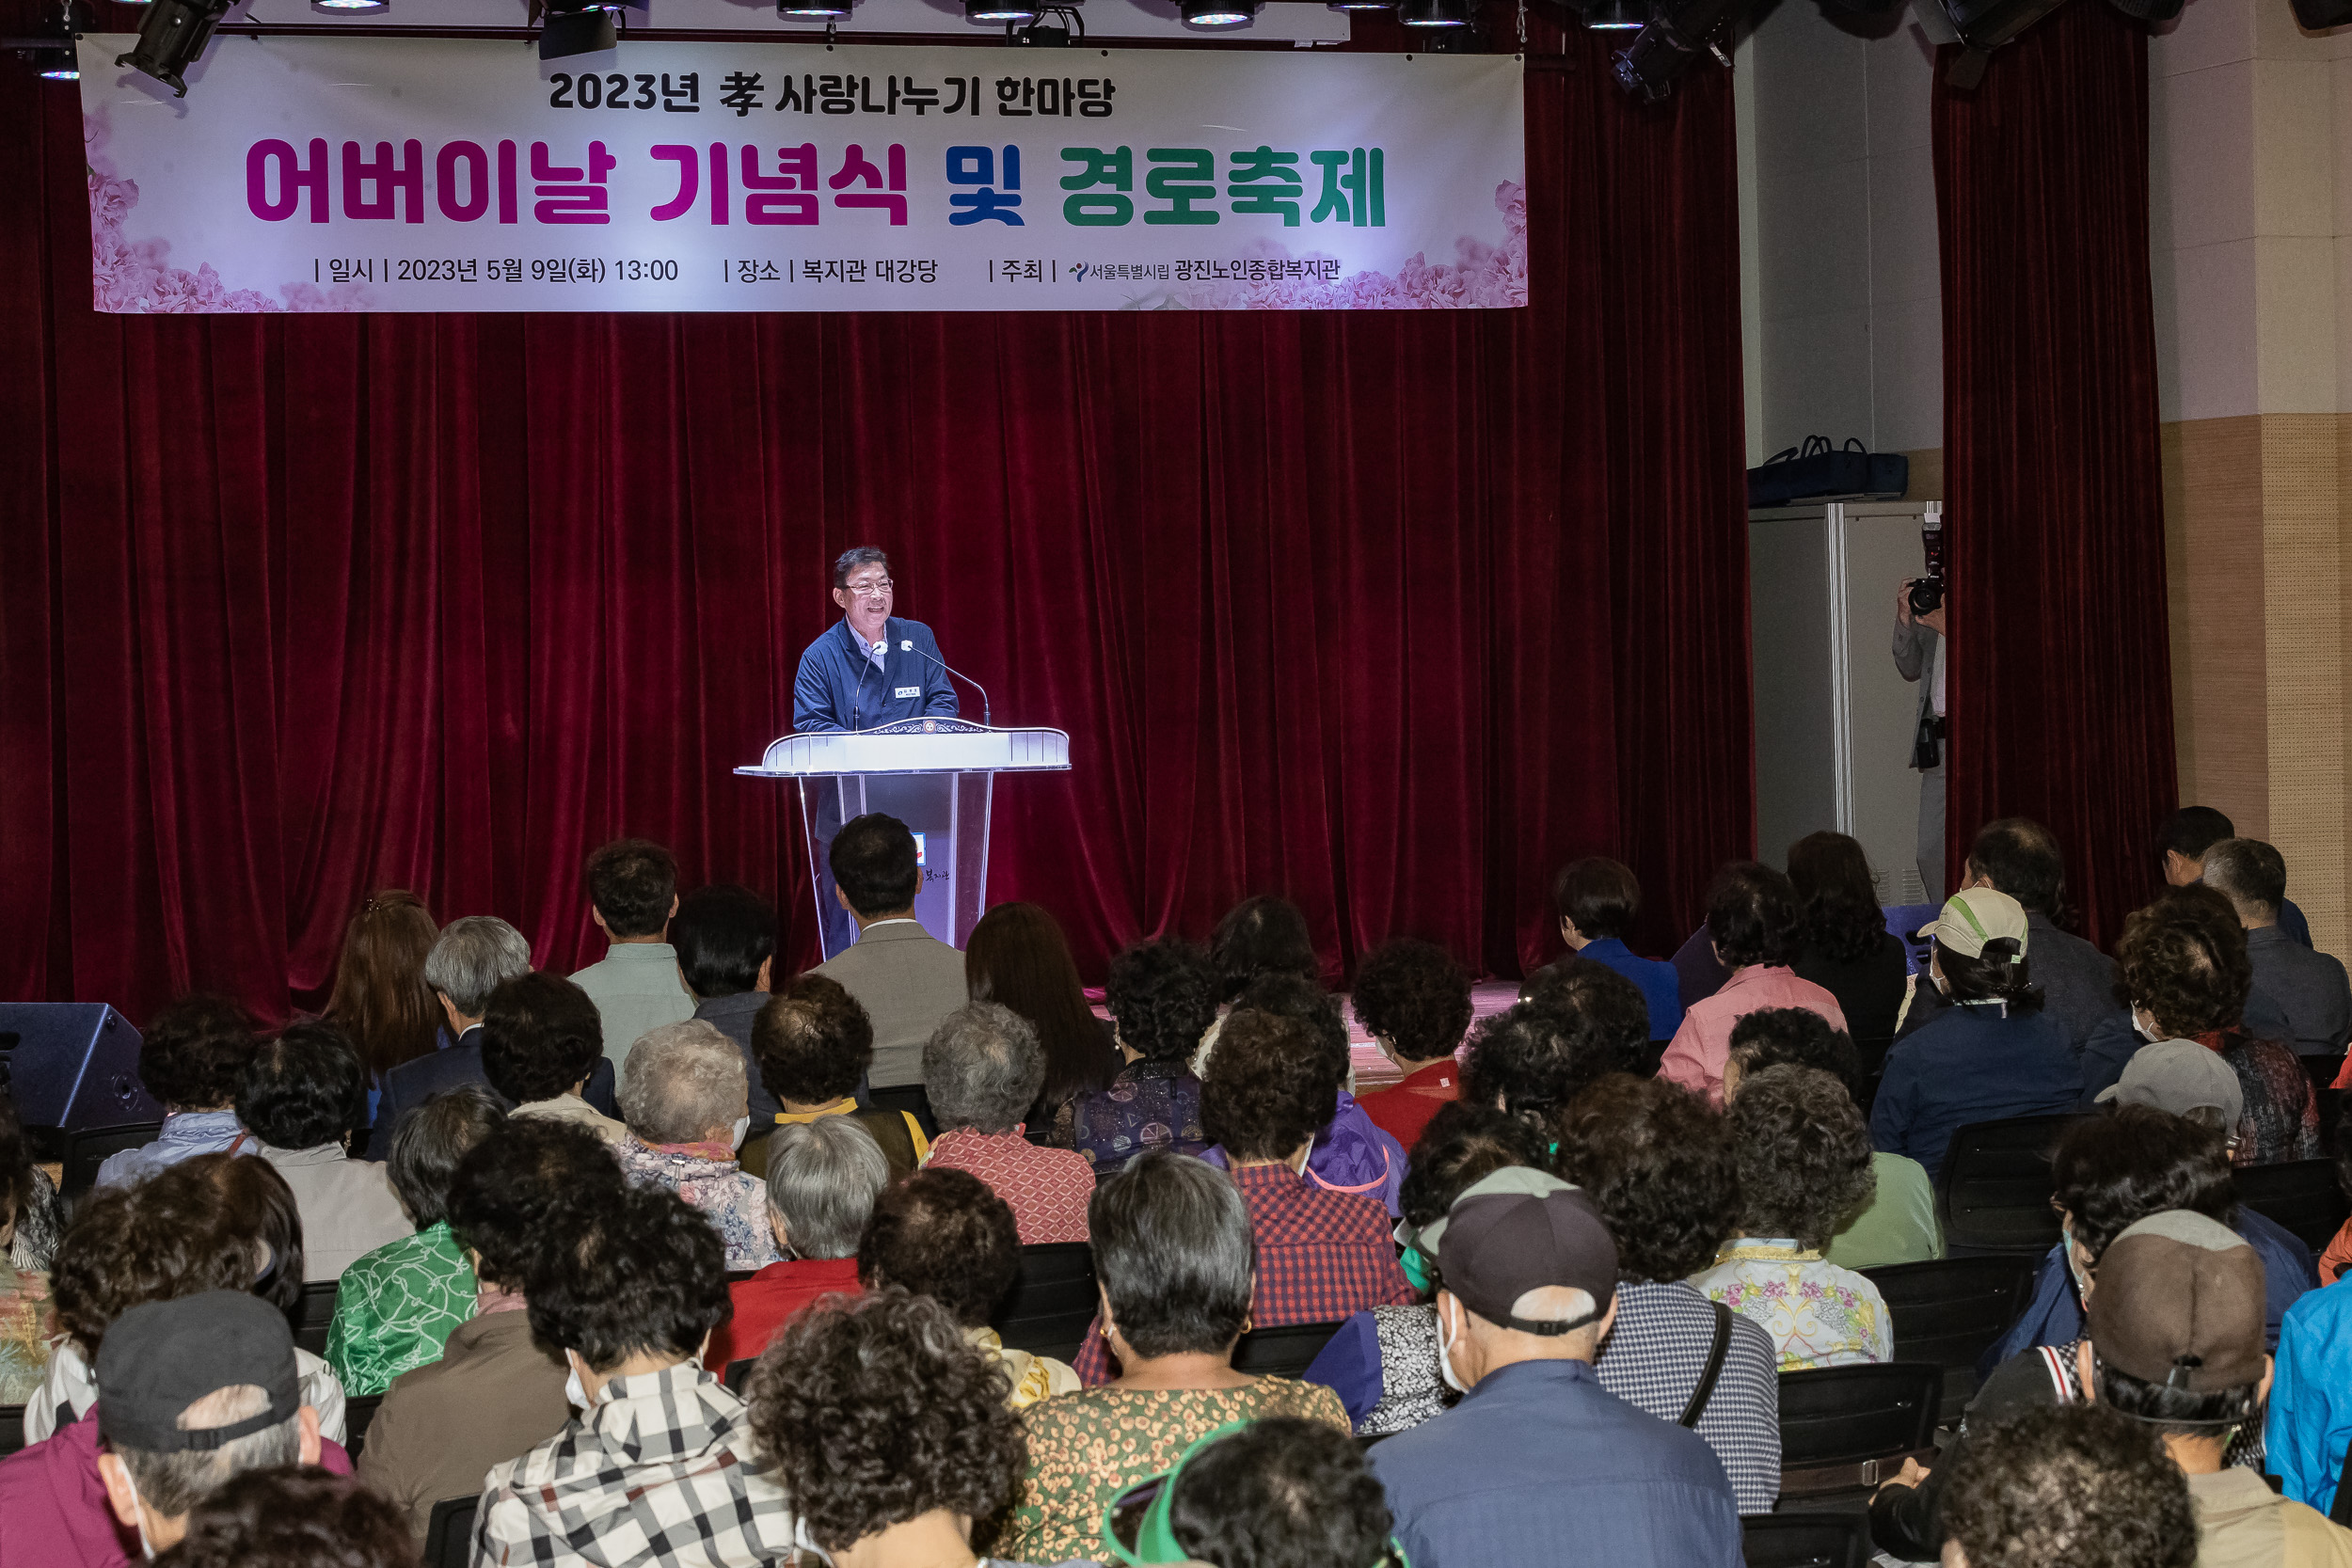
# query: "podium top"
914, 746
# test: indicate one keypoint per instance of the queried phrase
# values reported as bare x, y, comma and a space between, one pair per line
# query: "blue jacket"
1660, 987
1539, 1466
411, 1084
839, 689
2310, 1397
1971, 1065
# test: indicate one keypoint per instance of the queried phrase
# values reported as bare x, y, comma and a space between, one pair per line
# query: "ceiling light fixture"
1434, 13
172, 37
1218, 13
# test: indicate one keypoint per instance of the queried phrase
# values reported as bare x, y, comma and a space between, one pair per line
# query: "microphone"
906, 645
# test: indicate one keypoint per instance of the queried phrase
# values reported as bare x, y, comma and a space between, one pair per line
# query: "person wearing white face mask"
1538, 1454
686, 1101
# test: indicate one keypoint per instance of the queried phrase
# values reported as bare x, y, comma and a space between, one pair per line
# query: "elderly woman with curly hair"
1805, 1164
2183, 970
1415, 1001
888, 1431
1162, 997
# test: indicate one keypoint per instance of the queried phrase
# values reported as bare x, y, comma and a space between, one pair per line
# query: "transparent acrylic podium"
938, 776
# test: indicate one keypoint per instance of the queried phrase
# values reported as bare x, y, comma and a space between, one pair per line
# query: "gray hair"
1175, 1255
680, 1081
823, 1177
172, 1484
472, 957
429, 1141
983, 1068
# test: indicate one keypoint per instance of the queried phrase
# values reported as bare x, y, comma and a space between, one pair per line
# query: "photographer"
1919, 656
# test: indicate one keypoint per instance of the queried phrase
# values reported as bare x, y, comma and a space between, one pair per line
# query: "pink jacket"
55, 1506
1695, 1059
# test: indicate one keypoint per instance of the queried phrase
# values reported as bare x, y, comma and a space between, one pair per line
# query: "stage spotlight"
172, 39
576, 27
814, 10
56, 62
1678, 32
350, 7
1218, 13
1979, 27
998, 12
1616, 16
1434, 13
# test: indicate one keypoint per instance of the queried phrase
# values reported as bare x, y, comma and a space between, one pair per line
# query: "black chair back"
12, 1428
312, 1316
1950, 1311
907, 1097
1052, 1301
1805, 1539
449, 1534
2300, 1195
1285, 1352
359, 1412
739, 1373
2340, 1511
1993, 1190
87, 1148
1848, 1428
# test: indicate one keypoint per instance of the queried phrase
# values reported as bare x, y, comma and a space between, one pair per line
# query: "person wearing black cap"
1538, 1454
197, 1389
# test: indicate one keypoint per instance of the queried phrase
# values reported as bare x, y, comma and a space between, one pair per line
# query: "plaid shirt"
660, 1472
1322, 1256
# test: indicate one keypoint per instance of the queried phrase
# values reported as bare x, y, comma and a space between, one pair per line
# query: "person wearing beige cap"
1994, 1054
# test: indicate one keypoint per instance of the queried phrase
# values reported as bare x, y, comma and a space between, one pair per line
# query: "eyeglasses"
872, 587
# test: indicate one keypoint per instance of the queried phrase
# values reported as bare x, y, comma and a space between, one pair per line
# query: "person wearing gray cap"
197, 1389
1538, 1454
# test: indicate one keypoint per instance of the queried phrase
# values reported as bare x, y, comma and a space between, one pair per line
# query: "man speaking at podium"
869, 670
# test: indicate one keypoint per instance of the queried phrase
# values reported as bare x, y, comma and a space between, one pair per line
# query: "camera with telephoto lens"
1927, 592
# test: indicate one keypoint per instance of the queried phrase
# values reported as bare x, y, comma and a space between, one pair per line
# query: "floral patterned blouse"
733, 1201
1084, 1448
1817, 1313
24, 1348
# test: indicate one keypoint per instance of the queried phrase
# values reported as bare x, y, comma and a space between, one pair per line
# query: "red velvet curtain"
1387, 612
2060, 679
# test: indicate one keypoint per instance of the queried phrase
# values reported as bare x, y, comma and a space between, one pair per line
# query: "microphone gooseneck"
906, 645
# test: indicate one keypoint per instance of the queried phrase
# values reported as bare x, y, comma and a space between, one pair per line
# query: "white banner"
442, 174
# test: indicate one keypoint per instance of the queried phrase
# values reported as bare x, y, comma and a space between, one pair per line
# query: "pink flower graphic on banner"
136, 278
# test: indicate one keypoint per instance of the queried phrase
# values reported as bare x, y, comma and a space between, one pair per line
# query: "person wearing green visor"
1279, 1492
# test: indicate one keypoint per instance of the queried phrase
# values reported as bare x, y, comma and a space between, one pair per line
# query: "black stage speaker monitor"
71, 1065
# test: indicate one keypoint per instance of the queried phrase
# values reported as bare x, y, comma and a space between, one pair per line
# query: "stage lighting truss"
1677, 32
172, 37
51, 48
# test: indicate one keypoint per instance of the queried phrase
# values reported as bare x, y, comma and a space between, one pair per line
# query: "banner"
449, 174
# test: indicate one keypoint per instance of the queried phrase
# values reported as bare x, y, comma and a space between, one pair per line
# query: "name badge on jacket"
907, 691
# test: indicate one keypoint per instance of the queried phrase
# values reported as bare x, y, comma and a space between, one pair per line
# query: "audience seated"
293, 1516
1598, 900
1351, 1153
2020, 857
1538, 1454
1754, 921
2310, 1424
1383, 1360
219, 1364
822, 1180
660, 1467
905, 979
1258, 937
1659, 1167
1018, 958
1898, 1223
380, 1000
2181, 846
1172, 1253
944, 1234
1415, 1002
1609, 1000
1162, 997
814, 1043
1533, 1057
302, 1094
541, 1039
687, 1106
2079, 1484
888, 1431
396, 1306
2308, 987
1843, 943
1804, 1166
725, 936
473, 956
495, 1391
1992, 1055
192, 1058
2184, 973
252, 1202
1277, 1493
2158, 1149
1321, 1254
39, 1211
632, 893
24, 1294
981, 1070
